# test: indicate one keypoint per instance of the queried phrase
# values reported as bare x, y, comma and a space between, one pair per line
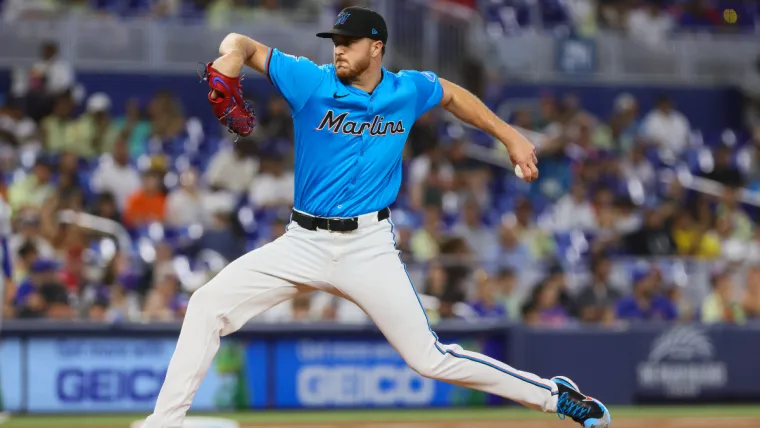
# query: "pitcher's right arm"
237, 50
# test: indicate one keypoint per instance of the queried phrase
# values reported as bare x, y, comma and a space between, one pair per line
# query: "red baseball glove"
229, 106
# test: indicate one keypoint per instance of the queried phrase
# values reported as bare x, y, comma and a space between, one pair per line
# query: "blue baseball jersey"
348, 143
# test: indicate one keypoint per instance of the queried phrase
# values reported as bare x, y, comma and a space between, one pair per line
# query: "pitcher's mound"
199, 422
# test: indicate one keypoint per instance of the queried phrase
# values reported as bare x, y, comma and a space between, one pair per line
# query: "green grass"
326, 417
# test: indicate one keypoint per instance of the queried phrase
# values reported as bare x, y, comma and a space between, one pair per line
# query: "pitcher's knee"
426, 367
205, 306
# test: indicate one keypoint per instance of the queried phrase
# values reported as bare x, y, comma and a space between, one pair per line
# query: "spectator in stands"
435, 280
731, 247
105, 206
133, 127
232, 168
94, 131
50, 77
403, 230
750, 88
42, 294
683, 305
156, 308
459, 268
650, 24
273, 186
548, 115
20, 10
59, 129
556, 278
470, 176
114, 175
584, 17
730, 208
423, 136
28, 231
545, 302
25, 257
166, 118
693, 239
69, 190
512, 254
574, 210
17, 131
187, 204
446, 308
430, 177
98, 310
724, 171
276, 123
699, 15
541, 244
220, 13
32, 191
220, 236
123, 305
486, 305
666, 127
505, 287
599, 297
147, 204
480, 238
301, 307
425, 242
721, 305
645, 304
635, 167
753, 249
624, 123
751, 298
652, 239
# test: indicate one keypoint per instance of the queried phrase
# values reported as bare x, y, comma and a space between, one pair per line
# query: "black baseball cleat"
587, 411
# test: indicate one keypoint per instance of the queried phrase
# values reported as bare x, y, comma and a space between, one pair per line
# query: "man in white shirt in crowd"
115, 175
574, 210
274, 186
232, 169
666, 127
188, 204
650, 24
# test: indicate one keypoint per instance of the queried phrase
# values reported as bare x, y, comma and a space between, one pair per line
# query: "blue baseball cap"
44, 265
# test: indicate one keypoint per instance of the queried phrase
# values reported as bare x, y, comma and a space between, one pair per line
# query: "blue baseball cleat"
587, 411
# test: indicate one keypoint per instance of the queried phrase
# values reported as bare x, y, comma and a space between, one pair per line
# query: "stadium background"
631, 265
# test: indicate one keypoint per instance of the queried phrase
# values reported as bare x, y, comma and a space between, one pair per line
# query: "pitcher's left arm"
467, 107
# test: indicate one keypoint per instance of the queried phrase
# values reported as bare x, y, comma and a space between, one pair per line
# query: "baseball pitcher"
351, 121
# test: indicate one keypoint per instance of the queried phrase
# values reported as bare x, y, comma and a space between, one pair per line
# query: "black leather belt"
333, 224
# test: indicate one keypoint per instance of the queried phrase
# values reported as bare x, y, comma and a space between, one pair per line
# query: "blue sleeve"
429, 89
6, 255
296, 78
626, 309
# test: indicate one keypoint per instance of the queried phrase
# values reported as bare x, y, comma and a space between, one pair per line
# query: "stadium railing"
422, 36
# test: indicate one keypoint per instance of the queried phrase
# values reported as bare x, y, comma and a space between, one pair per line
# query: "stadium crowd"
650, 21
121, 217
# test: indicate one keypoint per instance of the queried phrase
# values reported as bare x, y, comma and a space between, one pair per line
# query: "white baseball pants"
362, 266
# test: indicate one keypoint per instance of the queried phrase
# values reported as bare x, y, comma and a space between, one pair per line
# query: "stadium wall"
53, 367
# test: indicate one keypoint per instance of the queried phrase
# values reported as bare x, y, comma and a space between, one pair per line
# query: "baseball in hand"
518, 172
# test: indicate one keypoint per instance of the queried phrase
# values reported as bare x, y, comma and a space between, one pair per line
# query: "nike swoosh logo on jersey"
337, 97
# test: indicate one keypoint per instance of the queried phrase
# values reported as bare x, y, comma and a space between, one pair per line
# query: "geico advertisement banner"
348, 373
74, 375
10, 375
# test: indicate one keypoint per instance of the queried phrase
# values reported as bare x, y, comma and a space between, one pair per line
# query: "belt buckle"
328, 225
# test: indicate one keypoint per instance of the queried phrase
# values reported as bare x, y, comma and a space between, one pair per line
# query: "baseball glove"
229, 106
